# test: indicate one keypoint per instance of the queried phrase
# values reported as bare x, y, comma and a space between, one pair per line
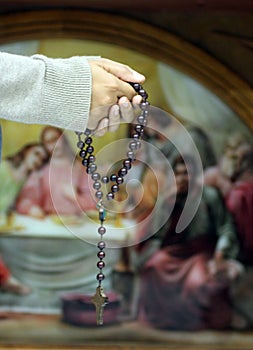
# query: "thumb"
121, 71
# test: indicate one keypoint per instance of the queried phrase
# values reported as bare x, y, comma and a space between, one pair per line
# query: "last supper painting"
135, 236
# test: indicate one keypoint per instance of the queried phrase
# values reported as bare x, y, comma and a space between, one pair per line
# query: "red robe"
177, 292
4, 272
240, 203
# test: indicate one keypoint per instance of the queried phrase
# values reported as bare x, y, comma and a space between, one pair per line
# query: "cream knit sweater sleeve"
42, 90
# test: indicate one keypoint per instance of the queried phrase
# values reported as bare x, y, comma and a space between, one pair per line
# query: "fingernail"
126, 104
115, 110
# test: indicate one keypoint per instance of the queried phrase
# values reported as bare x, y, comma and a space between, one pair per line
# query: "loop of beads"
88, 161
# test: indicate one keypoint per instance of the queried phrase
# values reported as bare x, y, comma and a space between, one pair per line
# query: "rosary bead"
91, 158
141, 119
122, 172
110, 196
115, 188
90, 149
85, 162
136, 136
145, 113
131, 155
136, 86
127, 163
82, 153
144, 105
80, 144
105, 179
113, 177
139, 129
119, 180
144, 123
99, 194
100, 264
133, 145
143, 94
87, 132
91, 168
101, 230
138, 144
100, 277
88, 141
101, 254
96, 185
95, 176
101, 245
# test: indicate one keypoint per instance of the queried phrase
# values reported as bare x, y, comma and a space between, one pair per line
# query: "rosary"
100, 300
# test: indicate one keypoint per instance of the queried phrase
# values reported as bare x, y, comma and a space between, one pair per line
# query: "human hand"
69, 193
220, 267
110, 88
36, 212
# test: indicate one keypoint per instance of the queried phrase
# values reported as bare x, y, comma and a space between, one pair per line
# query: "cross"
99, 300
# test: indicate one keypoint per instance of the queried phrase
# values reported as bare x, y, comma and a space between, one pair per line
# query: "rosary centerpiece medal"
84, 143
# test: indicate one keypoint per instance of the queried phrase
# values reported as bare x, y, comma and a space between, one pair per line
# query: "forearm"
40, 90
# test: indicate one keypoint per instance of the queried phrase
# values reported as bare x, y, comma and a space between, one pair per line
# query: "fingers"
114, 118
102, 127
127, 109
123, 111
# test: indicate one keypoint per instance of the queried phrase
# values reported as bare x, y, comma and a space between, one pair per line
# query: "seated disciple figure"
61, 186
221, 175
186, 276
239, 201
14, 170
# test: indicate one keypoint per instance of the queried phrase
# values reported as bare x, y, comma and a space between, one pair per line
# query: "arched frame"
141, 37
138, 36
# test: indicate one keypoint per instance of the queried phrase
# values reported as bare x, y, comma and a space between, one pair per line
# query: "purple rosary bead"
101, 230
88, 141
110, 196
105, 179
100, 264
101, 245
80, 144
119, 180
113, 177
95, 176
100, 276
82, 153
96, 185
101, 254
99, 194
115, 188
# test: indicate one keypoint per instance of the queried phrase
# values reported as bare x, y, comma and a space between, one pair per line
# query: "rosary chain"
116, 179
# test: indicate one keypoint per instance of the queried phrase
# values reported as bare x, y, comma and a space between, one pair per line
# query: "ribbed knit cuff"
67, 92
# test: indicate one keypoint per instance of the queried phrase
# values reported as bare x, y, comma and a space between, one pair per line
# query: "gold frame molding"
138, 36
149, 40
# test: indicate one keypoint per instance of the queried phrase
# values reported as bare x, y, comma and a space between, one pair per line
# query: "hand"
110, 84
